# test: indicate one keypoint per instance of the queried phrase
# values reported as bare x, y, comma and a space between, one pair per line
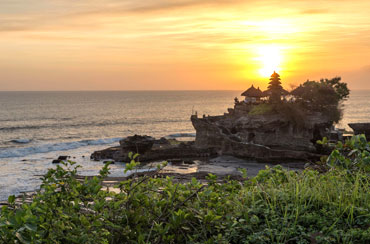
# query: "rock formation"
270, 136
361, 128
276, 135
136, 143
151, 149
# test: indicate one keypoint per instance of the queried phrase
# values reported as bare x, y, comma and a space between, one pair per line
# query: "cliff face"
260, 136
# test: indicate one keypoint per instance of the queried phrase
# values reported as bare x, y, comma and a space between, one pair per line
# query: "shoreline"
182, 172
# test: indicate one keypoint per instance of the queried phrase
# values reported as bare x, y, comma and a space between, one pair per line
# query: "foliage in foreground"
352, 156
276, 206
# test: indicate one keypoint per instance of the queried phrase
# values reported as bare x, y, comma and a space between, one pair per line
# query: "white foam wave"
51, 147
176, 135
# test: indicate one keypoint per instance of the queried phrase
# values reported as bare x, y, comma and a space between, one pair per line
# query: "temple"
265, 125
253, 95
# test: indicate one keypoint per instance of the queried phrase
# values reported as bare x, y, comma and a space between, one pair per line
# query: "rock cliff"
265, 137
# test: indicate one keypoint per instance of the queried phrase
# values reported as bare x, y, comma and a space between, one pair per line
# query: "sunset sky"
181, 44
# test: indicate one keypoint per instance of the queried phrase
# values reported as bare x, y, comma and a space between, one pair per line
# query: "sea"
37, 127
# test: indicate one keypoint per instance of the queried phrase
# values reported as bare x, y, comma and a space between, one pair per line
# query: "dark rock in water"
60, 159
63, 157
115, 153
137, 144
161, 149
361, 128
162, 141
189, 162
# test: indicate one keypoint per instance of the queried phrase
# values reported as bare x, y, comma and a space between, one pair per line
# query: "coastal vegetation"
276, 206
324, 96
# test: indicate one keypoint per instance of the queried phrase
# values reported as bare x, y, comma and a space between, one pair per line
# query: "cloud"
315, 11
170, 4
15, 15
16, 24
366, 68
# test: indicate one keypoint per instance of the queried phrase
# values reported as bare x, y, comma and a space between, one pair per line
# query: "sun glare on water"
270, 59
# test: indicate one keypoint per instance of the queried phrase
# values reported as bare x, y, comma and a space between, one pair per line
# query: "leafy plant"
277, 206
353, 155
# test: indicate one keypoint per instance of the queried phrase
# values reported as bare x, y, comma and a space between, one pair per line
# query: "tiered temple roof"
253, 92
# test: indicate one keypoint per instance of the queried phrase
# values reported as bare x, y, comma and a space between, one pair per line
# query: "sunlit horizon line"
153, 90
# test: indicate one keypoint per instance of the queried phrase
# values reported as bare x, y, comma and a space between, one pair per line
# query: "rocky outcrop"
151, 150
271, 137
137, 144
361, 128
263, 137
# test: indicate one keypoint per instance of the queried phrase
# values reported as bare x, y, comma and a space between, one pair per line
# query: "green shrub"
324, 96
276, 206
353, 155
263, 108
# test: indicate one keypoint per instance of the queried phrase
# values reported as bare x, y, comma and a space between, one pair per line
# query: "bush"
323, 96
276, 206
352, 156
263, 108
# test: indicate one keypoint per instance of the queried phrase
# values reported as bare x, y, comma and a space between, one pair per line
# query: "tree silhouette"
275, 89
323, 96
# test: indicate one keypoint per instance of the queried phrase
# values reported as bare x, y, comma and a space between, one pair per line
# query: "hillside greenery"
324, 96
276, 206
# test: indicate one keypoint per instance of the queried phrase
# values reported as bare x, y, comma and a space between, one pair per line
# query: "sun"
270, 59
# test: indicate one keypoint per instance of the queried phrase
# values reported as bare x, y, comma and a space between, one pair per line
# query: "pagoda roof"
253, 92
268, 92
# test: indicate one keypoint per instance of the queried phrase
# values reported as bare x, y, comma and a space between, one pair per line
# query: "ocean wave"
51, 147
12, 128
176, 135
21, 141
95, 123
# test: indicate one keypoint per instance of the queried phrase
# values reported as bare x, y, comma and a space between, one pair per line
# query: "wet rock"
361, 128
158, 152
162, 141
56, 161
63, 157
137, 144
189, 162
115, 153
